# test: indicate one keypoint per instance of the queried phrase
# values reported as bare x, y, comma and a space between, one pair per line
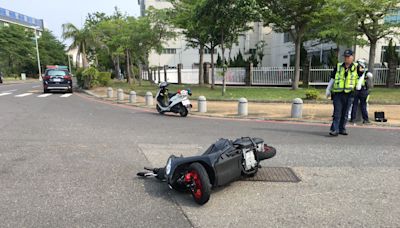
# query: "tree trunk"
212, 68
223, 63
128, 65
295, 83
371, 63
84, 57
118, 68
201, 61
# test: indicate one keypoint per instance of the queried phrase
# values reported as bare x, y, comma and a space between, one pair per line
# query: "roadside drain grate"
274, 174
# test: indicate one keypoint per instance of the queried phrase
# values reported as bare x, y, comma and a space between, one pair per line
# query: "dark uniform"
361, 96
345, 79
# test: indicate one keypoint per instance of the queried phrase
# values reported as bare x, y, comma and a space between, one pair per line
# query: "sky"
57, 12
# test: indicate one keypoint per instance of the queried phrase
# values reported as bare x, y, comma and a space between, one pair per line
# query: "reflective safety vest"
343, 83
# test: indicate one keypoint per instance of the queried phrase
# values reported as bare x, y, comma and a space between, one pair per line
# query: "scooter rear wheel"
200, 181
183, 111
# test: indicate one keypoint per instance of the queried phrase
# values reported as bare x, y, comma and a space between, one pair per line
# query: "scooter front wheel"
159, 109
199, 181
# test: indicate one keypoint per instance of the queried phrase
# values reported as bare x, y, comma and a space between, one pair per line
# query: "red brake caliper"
193, 178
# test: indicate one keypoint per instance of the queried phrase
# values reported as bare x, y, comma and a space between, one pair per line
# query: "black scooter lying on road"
223, 162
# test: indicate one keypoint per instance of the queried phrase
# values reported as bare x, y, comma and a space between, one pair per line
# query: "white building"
278, 51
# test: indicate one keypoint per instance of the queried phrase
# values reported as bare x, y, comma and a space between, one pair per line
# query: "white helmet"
362, 62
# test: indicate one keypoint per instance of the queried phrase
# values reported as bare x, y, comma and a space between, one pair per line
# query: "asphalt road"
70, 161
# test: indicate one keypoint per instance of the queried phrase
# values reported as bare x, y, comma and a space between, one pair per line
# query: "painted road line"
45, 95
7, 91
66, 95
36, 86
4, 94
23, 95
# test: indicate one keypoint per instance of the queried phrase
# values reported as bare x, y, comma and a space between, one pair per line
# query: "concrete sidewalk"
319, 113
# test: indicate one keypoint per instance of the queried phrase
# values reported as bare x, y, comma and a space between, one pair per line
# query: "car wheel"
200, 181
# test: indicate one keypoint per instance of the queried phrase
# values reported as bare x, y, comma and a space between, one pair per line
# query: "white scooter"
173, 102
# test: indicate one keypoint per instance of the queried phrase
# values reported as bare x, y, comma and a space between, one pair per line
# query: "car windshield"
56, 73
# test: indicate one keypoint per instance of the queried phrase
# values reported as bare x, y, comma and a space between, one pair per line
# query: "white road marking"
45, 95
66, 95
23, 95
4, 94
36, 86
7, 91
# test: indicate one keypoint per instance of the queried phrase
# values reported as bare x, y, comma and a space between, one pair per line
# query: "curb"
239, 117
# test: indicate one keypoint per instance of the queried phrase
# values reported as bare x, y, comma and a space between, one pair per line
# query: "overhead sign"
14, 17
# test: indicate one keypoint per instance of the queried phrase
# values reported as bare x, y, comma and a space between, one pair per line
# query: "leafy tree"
186, 17
17, 49
393, 61
370, 16
52, 51
226, 20
294, 17
82, 39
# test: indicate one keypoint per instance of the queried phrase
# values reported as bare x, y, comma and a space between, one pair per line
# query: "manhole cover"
274, 174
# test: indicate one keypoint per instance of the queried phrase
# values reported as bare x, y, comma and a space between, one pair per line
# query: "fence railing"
276, 76
233, 76
273, 75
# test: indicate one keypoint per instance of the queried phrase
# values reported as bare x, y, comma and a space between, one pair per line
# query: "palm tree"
81, 40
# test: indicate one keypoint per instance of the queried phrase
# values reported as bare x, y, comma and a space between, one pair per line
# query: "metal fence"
275, 76
233, 76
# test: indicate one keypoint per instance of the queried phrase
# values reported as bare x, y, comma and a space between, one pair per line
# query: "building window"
287, 38
169, 51
12, 14
252, 51
207, 51
21, 17
384, 53
285, 56
3, 12
394, 17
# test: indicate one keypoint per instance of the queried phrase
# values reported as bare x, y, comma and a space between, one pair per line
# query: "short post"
132, 97
206, 67
202, 104
23, 76
120, 95
159, 74
109, 92
243, 107
297, 108
149, 98
180, 74
165, 73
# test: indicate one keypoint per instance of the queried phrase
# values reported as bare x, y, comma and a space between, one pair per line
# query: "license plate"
186, 102
56, 80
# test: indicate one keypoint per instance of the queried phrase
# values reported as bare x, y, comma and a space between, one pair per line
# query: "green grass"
268, 94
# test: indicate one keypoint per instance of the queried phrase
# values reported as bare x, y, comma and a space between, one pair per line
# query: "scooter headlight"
168, 167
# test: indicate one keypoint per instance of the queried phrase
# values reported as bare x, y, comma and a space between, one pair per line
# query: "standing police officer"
362, 91
341, 86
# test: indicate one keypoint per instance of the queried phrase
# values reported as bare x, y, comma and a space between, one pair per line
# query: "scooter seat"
170, 95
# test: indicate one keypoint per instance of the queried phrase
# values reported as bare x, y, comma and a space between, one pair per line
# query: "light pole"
37, 53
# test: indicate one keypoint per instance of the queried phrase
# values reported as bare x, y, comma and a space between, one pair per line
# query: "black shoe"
366, 122
351, 121
333, 133
343, 133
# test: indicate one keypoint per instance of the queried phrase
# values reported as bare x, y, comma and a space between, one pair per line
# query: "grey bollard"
243, 107
109, 92
132, 97
297, 108
149, 99
120, 95
202, 104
